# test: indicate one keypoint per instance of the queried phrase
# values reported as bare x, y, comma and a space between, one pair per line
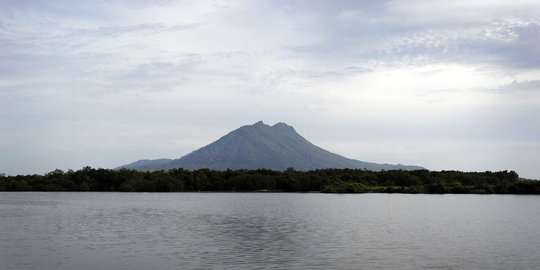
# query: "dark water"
268, 230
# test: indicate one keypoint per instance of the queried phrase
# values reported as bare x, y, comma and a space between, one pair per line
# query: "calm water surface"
268, 230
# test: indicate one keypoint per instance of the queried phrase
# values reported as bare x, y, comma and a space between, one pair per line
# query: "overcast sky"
441, 84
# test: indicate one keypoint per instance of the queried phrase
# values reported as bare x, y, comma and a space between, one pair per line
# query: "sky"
447, 85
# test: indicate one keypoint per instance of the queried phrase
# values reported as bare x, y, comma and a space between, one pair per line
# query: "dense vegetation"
327, 180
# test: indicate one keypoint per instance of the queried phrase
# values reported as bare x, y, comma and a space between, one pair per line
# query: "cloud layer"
438, 84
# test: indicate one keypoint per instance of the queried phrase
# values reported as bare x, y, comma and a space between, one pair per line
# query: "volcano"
260, 146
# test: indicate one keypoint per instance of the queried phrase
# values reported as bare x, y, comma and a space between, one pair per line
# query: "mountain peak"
278, 127
260, 124
280, 124
258, 146
283, 127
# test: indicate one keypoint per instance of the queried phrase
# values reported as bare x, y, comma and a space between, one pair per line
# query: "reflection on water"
274, 230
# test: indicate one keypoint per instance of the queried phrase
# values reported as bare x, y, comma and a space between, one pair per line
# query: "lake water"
268, 230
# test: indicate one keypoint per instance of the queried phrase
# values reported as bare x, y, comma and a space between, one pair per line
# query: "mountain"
276, 147
147, 164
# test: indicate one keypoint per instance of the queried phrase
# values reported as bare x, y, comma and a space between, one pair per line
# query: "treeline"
327, 180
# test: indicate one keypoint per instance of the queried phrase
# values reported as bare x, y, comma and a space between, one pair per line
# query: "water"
268, 230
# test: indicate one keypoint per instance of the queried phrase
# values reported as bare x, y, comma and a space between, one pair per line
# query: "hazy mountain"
147, 164
276, 147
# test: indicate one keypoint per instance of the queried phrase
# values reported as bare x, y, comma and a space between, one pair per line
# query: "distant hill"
276, 147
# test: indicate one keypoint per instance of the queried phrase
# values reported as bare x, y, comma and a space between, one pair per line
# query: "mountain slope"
147, 164
257, 146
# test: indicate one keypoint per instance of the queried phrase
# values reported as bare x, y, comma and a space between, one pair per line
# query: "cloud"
533, 85
426, 32
153, 75
116, 31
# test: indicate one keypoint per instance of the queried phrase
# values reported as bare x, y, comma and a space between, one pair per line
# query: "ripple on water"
261, 231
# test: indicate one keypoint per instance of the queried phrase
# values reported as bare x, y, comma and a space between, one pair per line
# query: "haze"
440, 84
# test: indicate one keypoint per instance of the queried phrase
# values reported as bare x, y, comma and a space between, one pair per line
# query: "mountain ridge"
260, 146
